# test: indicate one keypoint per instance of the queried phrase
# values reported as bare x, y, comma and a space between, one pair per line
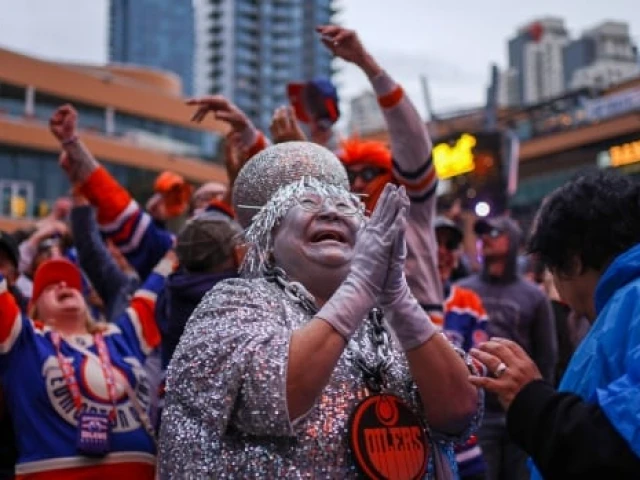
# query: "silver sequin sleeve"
225, 412
235, 353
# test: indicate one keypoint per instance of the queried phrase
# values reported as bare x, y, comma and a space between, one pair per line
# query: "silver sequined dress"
226, 408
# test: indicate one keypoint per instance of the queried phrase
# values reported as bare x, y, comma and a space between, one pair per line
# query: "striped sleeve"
410, 142
412, 167
138, 323
123, 221
11, 323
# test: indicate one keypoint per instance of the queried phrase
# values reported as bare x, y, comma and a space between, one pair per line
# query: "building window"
12, 100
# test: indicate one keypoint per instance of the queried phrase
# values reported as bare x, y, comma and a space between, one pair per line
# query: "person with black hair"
587, 233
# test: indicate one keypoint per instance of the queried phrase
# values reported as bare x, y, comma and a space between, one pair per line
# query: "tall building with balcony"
133, 120
602, 56
248, 50
536, 54
154, 33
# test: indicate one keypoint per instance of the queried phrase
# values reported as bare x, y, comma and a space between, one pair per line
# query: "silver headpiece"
281, 165
259, 235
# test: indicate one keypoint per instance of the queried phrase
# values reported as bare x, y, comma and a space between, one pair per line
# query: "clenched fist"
64, 122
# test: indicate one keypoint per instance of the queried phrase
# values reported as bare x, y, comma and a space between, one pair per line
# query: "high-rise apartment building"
602, 56
248, 50
536, 54
508, 88
154, 33
544, 62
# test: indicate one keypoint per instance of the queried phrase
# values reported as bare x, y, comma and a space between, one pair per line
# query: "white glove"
362, 288
406, 317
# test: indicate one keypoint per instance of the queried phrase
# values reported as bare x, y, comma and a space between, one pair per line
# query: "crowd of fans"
94, 299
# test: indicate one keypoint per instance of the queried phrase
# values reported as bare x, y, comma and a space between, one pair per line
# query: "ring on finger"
500, 369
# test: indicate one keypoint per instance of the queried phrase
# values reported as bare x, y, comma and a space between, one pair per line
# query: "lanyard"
70, 377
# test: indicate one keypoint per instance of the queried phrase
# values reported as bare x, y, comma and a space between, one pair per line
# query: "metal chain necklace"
375, 375
381, 414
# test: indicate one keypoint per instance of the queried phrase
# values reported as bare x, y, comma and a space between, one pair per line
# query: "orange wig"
354, 151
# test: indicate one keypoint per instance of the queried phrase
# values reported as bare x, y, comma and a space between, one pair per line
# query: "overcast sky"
452, 42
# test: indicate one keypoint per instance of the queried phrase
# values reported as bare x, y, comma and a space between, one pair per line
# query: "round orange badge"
388, 441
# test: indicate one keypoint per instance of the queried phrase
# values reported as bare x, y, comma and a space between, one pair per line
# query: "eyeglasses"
313, 202
366, 174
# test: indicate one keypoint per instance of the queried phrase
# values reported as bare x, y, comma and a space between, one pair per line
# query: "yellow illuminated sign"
18, 207
451, 161
43, 209
625, 154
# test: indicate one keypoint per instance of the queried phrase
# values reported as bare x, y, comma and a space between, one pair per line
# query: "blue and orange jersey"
465, 319
122, 220
465, 325
42, 408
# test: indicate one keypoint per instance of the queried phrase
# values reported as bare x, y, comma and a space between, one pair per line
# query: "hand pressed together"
376, 241
396, 282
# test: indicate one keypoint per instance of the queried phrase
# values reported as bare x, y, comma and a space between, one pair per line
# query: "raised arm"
251, 140
410, 142
412, 164
138, 323
119, 215
102, 270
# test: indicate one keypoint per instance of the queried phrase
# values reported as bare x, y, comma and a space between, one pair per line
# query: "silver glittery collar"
259, 235
374, 374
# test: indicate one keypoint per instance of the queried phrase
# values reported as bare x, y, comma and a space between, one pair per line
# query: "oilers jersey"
40, 403
465, 325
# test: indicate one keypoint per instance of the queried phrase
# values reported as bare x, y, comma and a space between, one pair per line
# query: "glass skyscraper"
154, 33
248, 50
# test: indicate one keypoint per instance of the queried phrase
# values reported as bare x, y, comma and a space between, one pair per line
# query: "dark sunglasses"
366, 174
48, 244
493, 233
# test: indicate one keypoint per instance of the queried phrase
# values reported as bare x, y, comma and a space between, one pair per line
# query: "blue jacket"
605, 369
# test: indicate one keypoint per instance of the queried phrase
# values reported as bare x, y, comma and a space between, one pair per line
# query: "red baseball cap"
53, 271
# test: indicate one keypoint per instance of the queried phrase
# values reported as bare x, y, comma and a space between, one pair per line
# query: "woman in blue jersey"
77, 390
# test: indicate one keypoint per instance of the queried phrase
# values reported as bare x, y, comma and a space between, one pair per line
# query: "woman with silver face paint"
293, 371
